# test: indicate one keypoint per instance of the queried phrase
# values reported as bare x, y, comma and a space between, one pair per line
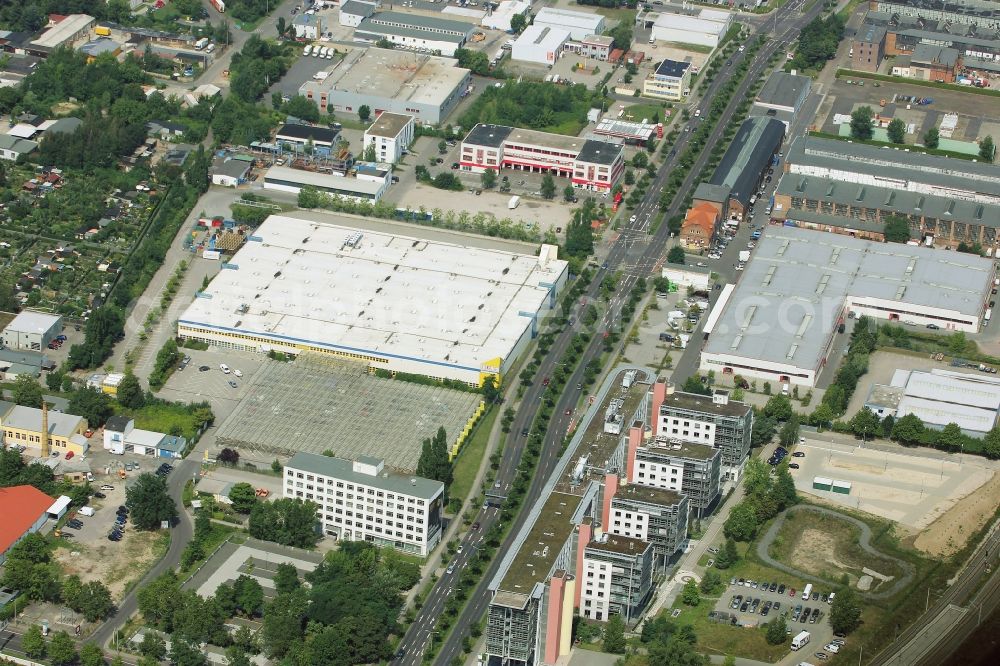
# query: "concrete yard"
256, 559
317, 404
902, 485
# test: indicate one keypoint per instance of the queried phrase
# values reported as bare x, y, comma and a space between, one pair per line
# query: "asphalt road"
636, 254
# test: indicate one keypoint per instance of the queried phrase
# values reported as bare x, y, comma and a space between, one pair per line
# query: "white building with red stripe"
589, 164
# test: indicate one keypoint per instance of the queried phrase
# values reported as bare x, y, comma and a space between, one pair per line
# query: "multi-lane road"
635, 254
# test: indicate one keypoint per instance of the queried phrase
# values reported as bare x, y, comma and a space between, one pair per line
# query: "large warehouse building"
423, 86
781, 319
850, 188
306, 286
579, 24
691, 25
426, 34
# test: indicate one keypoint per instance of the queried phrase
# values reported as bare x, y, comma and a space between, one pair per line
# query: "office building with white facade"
617, 577
391, 134
713, 420
670, 81
656, 515
362, 501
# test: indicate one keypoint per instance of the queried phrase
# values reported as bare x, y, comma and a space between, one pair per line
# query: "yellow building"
22, 426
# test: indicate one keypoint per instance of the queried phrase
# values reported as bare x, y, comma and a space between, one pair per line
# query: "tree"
149, 502
861, 123
896, 130
908, 429
614, 635
489, 179
845, 612
229, 457
932, 138
709, 582
91, 655
689, 595
569, 193
896, 229
153, 646
693, 384
33, 643
91, 404
548, 188
130, 394
290, 522
62, 649
364, 112
183, 653
236, 656
243, 496
676, 255
778, 407
518, 22
783, 487
92, 599
950, 437
986, 149
622, 35
742, 522
286, 578
281, 26
865, 423
27, 392
777, 630
789, 433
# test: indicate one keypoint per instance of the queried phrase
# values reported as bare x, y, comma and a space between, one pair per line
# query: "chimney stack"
45, 430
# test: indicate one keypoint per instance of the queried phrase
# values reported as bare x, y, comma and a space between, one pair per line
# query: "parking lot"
194, 385
757, 606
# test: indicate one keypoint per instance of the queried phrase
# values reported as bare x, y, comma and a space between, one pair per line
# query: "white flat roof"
302, 177
958, 389
567, 18
690, 24
29, 321
59, 505
793, 291
391, 296
543, 36
937, 413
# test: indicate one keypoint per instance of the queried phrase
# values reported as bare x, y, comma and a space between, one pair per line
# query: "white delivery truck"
801, 640
806, 592
86, 511
514, 200
744, 256
201, 43
307, 50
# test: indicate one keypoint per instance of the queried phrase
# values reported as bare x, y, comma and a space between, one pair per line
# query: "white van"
224, 368
784, 389
800, 641
307, 50
210, 48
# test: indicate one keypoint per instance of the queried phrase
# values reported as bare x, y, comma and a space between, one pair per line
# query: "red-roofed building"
24, 510
700, 225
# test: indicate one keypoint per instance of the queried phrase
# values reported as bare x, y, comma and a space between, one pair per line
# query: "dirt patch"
115, 564
63, 108
950, 532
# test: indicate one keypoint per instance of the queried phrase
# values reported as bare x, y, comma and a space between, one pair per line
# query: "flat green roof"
538, 553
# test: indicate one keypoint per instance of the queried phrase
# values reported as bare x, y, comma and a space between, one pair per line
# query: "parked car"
781, 589
107, 487
100, 495
773, 587
204, 368
799, 454
238, 373
232, 384
793, 465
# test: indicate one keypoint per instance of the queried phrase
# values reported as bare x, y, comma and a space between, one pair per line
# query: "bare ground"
950, 532
116, 564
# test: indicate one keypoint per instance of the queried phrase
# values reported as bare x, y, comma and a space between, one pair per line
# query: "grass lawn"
616, 13
725, 639
696, 48
640, 111
164, 417
219, 534
471, 456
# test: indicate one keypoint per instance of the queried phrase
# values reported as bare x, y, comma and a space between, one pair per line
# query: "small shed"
822, 483
842, 487
58, 508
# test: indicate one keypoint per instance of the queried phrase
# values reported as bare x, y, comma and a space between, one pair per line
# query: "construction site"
316, 404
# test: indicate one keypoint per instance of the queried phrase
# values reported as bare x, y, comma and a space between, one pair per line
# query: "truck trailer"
514, 201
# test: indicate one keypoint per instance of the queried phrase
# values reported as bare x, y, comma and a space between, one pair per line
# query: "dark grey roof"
413, 25
599, 152
232, 168
705, 404
67, 125
491, 136
887, 163
672, 68
708, 192
816, 188
355, 8
344, 469
934, 54
986, 9
752, 149
870, 33
117, 423
784, 89
306, 132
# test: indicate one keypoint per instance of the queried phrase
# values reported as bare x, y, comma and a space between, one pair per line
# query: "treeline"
65, 73
98, 142
34, 15
256, 66
766, 497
